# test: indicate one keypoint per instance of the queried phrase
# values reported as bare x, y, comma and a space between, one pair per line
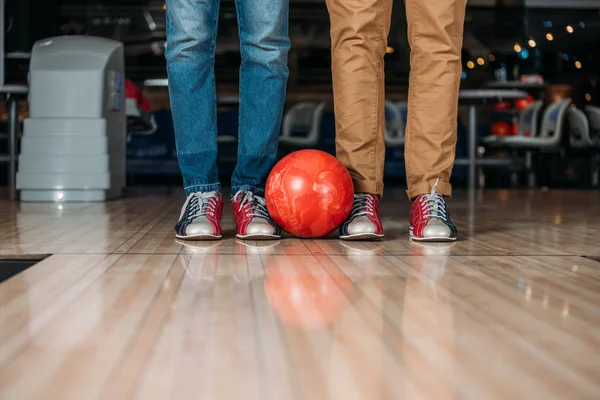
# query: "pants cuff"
443, 188
371, 187
195, 188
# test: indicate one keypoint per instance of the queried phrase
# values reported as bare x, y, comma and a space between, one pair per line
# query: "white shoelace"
434, 204
362, 205
201, 204
258, 205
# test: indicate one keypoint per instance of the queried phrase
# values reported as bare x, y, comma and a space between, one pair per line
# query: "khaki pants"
359, 30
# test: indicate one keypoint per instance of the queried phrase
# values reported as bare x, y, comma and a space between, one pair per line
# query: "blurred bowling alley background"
99, 300
548, 135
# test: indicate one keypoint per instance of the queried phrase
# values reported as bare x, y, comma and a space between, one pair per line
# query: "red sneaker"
200, 217
429, 220
364, 222
252, 218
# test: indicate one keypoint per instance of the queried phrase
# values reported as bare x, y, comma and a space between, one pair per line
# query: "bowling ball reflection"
309, 193
305, 298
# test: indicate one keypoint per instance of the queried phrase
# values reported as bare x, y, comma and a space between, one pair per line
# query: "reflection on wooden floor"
121, 310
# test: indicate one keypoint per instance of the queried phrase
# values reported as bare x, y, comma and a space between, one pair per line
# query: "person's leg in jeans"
435, 34
191, 38
359, 32
264, 42
190, 53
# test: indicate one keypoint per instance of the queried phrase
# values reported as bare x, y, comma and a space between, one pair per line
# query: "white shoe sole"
362, 236
199, 237
430, 239
258, 237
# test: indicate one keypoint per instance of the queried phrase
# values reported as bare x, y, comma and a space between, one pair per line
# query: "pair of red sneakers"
429, 220
200, 217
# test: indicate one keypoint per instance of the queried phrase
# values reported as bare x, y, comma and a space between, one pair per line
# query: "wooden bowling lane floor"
120, 310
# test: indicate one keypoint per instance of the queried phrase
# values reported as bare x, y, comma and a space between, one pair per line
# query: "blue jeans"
190, 54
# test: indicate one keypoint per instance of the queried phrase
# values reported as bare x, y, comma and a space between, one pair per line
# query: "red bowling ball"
522, 104
309, 193
501, 128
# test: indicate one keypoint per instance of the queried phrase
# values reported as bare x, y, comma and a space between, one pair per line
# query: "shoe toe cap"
361, 225
260, 226
437, 229
200, 227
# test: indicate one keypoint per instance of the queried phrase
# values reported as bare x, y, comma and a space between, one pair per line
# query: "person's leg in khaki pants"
359, 30
435, 35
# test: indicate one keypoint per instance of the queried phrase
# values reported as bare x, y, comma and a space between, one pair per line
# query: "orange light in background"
549, 37
480, 61
389, 50
578, 64
165, 6
532, 43
517, 47
588, 97
570, 29
470, 65
492, 57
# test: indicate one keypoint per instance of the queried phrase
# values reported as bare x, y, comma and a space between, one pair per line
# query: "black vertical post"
43, 16
29, 21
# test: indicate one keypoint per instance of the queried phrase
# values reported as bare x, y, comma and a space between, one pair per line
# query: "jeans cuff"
259, 191
195, 187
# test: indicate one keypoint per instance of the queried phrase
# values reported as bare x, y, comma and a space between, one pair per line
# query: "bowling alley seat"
593, 114
579, 130
403, 108
548, 138
302, 126
394, 125
580, 139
